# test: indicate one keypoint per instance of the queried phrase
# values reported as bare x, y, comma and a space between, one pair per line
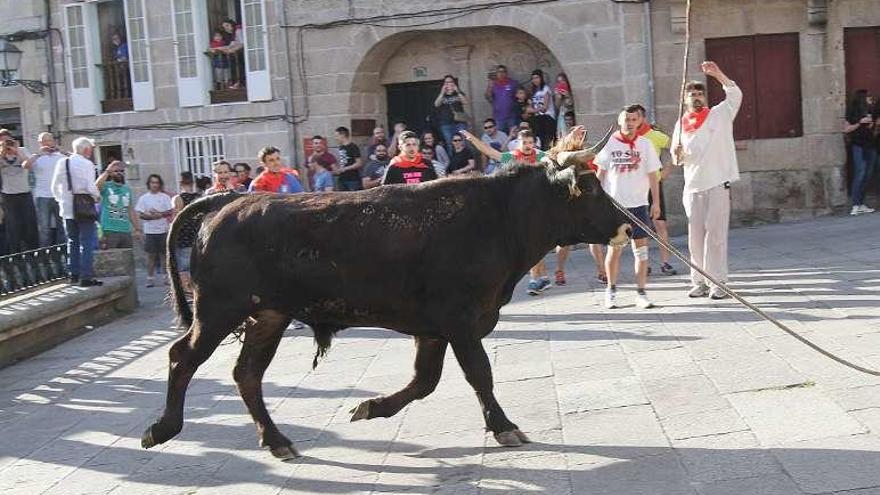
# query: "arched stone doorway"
410, 66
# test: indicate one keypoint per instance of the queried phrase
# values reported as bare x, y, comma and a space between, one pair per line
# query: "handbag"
83, 204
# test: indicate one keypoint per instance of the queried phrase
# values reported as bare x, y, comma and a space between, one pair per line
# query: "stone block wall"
589, 40
782, 179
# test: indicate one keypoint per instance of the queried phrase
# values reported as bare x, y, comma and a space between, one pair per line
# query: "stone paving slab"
694, 397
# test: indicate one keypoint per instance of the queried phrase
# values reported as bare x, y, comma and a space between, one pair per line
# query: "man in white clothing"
628, 166
49, 223
703, 145
82, 235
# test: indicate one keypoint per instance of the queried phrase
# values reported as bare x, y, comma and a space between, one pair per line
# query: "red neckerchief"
643, 129
520, 157
401, 161
218, 187
501, 82
630, 142
694, 120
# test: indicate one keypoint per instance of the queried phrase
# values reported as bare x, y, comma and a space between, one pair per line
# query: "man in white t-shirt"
49, 224
703, 145
628, 167
156, 210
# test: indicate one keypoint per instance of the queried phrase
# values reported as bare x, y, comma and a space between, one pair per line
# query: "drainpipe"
649, 47
50, 70
294, 149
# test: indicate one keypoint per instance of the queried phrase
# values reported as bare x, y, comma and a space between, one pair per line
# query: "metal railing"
228, 70
28, 269
117, 81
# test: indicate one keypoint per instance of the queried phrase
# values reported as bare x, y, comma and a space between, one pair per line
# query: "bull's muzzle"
623, 234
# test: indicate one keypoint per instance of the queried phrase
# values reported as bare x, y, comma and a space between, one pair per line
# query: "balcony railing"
117, 87
27, 269
228, 77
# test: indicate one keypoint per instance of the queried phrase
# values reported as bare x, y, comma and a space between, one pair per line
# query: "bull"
446, 257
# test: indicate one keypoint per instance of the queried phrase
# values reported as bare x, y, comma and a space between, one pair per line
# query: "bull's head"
598, 220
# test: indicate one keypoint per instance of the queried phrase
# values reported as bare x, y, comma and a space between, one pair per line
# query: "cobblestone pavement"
693, 397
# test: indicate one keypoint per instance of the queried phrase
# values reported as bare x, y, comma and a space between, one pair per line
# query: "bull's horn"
601, 144
582, 157
572, 158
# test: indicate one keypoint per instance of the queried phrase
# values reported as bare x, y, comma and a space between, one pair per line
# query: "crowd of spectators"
38, 189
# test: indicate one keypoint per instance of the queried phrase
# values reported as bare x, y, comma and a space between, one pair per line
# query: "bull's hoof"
285, 453
147, 440
362, 411
522, 437
508, 439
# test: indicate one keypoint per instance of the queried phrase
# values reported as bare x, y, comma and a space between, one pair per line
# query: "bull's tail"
195, 210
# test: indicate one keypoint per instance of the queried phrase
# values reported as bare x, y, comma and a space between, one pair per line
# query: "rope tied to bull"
702, 272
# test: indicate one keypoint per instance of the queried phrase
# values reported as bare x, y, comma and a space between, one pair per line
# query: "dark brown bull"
444, 258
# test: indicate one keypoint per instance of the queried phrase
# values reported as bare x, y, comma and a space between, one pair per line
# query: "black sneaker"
668, 269
90, 282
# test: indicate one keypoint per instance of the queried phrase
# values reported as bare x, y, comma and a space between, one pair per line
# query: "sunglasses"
456, 140
487, 127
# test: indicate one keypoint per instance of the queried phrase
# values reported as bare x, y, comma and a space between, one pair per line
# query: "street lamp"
10, 60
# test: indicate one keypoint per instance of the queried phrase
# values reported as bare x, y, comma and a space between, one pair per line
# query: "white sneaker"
643, 302
856, 210
866, 209
699, 290
610, 299
716, 293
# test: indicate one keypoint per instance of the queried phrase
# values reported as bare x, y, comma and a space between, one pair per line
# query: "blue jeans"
449, 130
82, 239
49, 222
350, 185
862, 158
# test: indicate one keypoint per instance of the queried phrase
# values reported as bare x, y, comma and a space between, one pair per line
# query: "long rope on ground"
687, 261
736, 296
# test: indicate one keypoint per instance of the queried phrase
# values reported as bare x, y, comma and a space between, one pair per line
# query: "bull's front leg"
474, 362
428, 368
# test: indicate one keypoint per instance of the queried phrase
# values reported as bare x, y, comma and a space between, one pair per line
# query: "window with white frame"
196, 154
185, 38
254, 25
77, 41
137, 41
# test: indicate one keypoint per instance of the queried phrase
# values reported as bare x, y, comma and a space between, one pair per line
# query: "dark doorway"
107, 153
412, 103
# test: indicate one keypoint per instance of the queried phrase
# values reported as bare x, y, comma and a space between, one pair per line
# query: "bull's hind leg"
209, 328
429, 366
474, 362
261, 340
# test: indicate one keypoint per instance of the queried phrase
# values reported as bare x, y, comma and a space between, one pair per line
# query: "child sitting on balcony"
220, 60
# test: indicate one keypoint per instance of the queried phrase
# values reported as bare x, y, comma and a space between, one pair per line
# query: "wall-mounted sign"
420, 72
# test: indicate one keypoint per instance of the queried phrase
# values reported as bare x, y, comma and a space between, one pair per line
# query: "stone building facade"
313, 66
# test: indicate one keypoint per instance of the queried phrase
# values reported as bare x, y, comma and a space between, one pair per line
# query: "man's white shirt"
709, 152
627, 170
82, 178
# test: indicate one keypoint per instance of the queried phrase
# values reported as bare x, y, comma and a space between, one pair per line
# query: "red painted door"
736, 57
778, 85
862, 52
